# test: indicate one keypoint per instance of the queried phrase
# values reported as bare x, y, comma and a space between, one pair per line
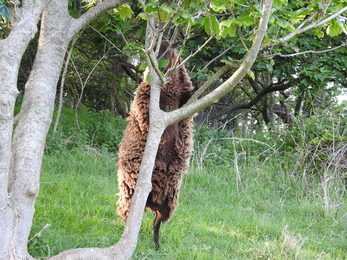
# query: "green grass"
271, 214
77, 199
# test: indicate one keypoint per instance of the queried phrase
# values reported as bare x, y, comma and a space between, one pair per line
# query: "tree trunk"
8, 93
24, 27
33, 122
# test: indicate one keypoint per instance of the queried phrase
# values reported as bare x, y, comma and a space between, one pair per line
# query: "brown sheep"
174, 150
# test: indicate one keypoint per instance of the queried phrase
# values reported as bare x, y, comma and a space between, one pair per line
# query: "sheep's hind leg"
156, 228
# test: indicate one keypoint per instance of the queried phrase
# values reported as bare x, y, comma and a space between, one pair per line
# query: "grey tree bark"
11, 50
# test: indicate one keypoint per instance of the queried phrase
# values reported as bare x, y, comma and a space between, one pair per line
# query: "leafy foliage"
109, 53
108, 59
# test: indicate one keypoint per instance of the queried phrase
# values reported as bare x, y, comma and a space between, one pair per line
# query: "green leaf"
318, 32
163, 63
269, 68
251, 74
197, 6
273, 30
125, 11
188, 3
5, 13
211, 22
282, 23
219, 6
228, 31
334, 28
143, 66
228, 22
151, 7
278, 4
228, 27
166, 9
319, 77
187, 17
144, 16
298, 16
290, 27
148, 78
246, 19
165, 12
74, 13
201, 77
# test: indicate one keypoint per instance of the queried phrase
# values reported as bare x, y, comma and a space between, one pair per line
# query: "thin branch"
239, 34
253, 101
62, 83
83, 84
40, 232
103, 36
197, 51
152, 61
299, 30
308, 20
305, 52
309, 27
186, 37
217, 57
174, 68
167, 24
78, 74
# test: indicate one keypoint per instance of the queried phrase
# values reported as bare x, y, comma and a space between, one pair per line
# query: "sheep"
175, 148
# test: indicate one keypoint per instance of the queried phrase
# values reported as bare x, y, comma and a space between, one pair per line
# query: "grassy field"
266, 213
236, 203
